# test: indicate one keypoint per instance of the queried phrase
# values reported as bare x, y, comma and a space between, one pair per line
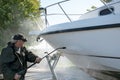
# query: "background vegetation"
18, 16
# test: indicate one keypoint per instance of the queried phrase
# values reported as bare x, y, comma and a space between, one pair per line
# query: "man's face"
19, 43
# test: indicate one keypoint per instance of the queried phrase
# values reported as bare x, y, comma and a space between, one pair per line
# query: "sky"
70, 7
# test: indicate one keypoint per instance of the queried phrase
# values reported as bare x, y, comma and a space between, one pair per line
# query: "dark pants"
22, 78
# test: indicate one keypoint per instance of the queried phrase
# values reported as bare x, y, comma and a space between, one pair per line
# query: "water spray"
46, 56
23, 71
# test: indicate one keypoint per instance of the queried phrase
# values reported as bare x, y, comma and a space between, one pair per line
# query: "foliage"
12, 15
12, 11
92, 8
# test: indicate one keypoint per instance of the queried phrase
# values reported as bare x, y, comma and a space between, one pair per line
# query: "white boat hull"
92, 49
104, 42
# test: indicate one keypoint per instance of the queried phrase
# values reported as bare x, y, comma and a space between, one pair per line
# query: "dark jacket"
12, 62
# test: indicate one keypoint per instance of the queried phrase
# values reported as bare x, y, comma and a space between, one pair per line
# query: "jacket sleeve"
30, 57
5, 58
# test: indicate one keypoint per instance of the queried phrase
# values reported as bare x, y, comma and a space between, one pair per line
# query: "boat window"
107, 1
106, 12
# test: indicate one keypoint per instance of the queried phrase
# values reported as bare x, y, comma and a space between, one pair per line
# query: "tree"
13, 17
92, 8
12, 11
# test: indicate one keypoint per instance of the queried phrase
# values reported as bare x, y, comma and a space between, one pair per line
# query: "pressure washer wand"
53, 51
23, 71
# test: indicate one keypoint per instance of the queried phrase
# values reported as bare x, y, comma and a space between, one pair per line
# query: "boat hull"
93, 49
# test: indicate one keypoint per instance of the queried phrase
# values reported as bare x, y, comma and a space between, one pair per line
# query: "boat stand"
52, 62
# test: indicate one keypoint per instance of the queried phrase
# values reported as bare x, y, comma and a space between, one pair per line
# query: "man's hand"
38, 60
17, 76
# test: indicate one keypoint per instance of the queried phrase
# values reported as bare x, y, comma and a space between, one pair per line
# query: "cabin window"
107, 1
106, 12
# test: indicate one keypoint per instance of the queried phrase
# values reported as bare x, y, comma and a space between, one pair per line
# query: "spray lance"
23, 71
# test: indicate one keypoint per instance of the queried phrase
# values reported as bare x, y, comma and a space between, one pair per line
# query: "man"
14, 58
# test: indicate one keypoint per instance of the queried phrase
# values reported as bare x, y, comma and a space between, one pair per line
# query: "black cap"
19, 37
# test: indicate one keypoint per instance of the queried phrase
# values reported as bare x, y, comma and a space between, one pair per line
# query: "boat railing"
67, 15
59, 4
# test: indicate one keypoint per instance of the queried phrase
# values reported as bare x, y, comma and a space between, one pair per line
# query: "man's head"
19, 40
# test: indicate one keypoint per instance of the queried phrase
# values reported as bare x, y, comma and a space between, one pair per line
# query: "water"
64, 70
67, 73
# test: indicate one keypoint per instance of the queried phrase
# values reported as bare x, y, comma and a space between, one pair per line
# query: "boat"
93, 41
